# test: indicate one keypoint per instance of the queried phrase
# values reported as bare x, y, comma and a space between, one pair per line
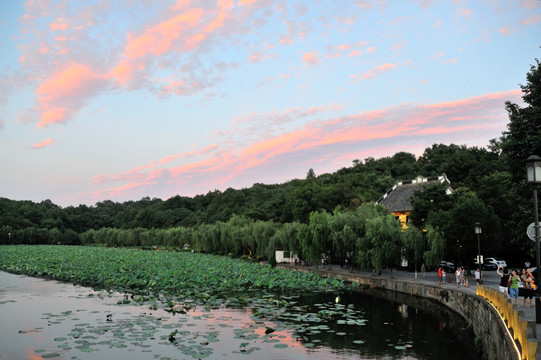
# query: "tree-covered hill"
290, 203
365, 181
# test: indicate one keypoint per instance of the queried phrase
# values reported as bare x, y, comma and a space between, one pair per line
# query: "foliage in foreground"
179, 274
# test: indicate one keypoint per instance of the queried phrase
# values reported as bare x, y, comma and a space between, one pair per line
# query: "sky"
124, 99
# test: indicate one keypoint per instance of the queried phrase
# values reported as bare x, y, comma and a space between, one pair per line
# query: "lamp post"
533, 176
477, 228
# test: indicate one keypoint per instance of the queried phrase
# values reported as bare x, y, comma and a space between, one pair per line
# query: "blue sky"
118, 100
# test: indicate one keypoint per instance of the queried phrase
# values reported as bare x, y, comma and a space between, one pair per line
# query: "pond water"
48, 319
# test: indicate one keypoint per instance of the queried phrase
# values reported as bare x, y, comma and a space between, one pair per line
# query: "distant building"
398, 199
286, 257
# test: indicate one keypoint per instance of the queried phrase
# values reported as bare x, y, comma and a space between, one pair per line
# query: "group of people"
511, 283
441, 275
459, 275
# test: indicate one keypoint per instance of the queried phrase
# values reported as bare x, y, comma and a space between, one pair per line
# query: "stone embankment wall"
484, 319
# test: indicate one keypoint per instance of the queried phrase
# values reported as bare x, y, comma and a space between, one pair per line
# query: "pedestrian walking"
423, 270
439, 275
477, 276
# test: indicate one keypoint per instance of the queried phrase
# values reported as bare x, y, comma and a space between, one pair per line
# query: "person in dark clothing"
504, 280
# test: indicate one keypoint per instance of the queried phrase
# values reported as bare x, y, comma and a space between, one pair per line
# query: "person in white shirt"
457, 275
478, 276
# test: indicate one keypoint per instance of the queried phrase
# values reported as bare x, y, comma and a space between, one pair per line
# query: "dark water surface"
48, 319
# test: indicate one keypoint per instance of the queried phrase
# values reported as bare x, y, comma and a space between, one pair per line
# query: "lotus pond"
319, 319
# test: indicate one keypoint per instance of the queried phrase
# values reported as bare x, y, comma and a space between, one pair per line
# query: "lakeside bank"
506, 332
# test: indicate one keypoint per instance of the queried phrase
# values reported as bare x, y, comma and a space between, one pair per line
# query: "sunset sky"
119, 100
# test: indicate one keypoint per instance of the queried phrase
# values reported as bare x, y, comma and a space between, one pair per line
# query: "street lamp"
477, 229
533, 176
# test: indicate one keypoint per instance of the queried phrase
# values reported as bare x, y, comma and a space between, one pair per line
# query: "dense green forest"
331, 213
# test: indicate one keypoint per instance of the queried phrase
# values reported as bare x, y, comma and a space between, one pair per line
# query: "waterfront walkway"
490, 279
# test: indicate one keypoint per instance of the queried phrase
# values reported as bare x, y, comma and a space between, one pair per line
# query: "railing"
521, 330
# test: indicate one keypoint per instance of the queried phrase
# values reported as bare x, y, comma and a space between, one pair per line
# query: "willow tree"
414, 244
261, 232
320, 233
384, 236
436, 247
315, 238
310, 249
348, 230
344, 237
286, 237
235, 236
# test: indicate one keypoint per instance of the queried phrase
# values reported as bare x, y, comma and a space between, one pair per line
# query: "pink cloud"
259, 153
344, 47
65, 92
267, 123
202, 166
140, 173
183, 87
310, 58
204, 151
43, 48
399, 45
368, 4
121, 190
437, 55
257, 57
130, 175
66, 84
42, 144
506, 30
158, 39
58, 26
336, 52
371, 49
425, 3
529, 4
532, 19
325, 141
180, 33
182, 5
375, 71
465, 12
483, 38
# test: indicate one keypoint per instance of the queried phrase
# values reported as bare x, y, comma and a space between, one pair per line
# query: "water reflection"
395, 326
47, 319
